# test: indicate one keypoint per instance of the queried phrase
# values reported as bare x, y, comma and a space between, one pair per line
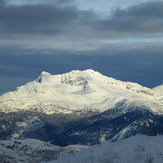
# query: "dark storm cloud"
47, 19
35, 18
42, 20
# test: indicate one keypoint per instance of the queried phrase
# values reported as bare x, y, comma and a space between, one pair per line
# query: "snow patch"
137, 149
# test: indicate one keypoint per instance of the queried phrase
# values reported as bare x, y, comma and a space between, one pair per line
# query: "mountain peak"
45, 73
81, 72
89, 70
44, 76
159, 89
77, 89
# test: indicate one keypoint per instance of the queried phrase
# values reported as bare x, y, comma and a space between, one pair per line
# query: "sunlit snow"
78, 90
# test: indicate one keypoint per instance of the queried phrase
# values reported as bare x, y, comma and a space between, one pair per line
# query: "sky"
122, 39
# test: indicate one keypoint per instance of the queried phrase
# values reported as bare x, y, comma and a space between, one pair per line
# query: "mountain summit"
78, 90
80, 107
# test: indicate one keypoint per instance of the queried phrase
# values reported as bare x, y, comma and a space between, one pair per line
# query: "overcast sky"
122, 39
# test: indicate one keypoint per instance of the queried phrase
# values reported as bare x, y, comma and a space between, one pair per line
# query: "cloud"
2, 2
35, 2
48, 36
143, 20
54, 26
34, 19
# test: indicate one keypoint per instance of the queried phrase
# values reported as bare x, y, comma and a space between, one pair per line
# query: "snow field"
78, 90
137, 149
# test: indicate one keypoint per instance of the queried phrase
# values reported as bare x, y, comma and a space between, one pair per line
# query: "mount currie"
80, 107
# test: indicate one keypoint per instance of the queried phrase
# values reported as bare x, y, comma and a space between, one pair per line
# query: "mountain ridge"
80, 107
96, 91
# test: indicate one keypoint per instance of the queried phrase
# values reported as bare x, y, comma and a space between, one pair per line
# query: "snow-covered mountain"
114, 124
137, 149
80, 107
159, 89
79, 91
32, 151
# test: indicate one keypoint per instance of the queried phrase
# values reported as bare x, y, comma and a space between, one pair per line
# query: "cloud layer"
58, 36
56, 26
